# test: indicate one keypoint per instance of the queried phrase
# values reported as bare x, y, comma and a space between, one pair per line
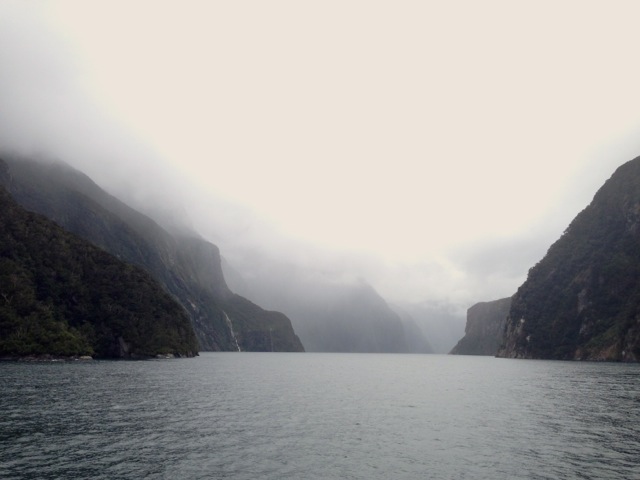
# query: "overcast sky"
436, 148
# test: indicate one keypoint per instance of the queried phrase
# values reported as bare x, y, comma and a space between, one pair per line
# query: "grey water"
324, 416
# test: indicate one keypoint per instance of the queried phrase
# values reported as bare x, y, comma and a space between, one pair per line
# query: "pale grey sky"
440, 146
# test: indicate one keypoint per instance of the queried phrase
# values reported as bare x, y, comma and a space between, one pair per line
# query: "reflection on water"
242, 415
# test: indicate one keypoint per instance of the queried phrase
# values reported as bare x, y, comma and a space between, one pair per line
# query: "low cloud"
439, 205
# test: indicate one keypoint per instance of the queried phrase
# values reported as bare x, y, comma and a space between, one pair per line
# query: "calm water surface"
275, 416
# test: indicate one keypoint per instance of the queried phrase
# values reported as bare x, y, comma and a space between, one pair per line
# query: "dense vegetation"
186, 266
582, 301
60, 295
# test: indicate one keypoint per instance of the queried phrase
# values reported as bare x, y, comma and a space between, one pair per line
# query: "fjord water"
277, 415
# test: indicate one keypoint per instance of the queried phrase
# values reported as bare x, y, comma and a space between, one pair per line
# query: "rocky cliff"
186, 265
582, 300
485, 328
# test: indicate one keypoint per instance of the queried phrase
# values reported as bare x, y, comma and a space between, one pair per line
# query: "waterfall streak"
235, 339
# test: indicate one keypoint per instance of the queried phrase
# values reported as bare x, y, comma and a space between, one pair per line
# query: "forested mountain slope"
187, 266
61, 295
582, 300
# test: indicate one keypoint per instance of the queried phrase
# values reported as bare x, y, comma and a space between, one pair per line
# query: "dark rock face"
187, 266
582, 300
61, 296
485, 328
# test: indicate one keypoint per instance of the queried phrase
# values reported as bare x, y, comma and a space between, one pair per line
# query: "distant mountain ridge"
440, 323
329, 314
188, 266
355, 318
582, 300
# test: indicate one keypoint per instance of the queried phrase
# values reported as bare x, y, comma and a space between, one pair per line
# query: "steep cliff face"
187, 266
485, 328
61, 295
582, 300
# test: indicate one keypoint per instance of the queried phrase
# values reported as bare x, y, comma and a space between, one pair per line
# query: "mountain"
354, 318
330, 314
438, 322
415, 337
61, 295
186, 265
485, 327
582, 300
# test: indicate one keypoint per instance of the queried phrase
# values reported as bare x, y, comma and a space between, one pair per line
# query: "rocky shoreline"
74, 358
44, 358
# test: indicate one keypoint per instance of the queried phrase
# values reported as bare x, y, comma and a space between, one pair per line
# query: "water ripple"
247, 416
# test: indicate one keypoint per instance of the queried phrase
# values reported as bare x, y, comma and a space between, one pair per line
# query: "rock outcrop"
485, 328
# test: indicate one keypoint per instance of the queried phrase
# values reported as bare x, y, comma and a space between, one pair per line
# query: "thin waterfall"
233, 334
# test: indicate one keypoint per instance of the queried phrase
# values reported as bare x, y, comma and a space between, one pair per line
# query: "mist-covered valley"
371, 202
329, 311
315, 236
